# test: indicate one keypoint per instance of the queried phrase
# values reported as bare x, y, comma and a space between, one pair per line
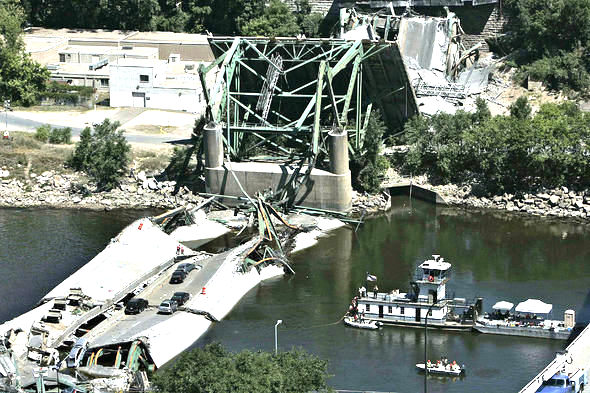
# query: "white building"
161, 84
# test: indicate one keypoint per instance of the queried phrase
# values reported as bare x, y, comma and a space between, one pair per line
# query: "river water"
494, 255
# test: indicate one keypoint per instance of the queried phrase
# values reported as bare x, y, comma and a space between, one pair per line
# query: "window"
402, 310
367, 307
430, 312
104, 82
144, 78
390, 309
62, 58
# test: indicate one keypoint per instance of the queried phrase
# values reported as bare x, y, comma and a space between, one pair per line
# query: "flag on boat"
371, 277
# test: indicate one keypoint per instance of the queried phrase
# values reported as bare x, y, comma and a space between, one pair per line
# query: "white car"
77, 353
168, 307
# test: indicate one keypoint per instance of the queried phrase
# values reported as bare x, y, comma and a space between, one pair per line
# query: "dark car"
186, 267
136, 305
180, 297
177, 277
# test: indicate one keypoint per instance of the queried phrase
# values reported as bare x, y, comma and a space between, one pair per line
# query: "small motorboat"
361, 324
443, 367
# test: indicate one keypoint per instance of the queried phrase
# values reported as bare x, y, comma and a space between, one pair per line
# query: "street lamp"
276, 340
425, 346
6, 109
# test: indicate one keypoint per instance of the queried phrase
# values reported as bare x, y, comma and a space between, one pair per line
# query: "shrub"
102, 154
43, 132
60, 136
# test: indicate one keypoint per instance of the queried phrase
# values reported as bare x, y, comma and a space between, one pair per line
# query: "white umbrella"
534, 306
503, 306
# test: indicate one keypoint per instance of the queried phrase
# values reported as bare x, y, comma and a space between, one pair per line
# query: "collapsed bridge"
297, 102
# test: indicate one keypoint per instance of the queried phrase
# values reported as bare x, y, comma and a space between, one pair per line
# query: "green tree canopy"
519, 152
215, 370
552, 40
102, 154
21, 79
276, 21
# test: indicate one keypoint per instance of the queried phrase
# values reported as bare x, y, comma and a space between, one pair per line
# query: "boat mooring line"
318, 326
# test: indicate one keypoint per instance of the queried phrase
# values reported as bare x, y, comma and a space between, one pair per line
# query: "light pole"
6, 109
276, 338
425, 346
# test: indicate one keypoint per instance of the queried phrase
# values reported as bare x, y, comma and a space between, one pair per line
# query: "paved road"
121, 327
15, 122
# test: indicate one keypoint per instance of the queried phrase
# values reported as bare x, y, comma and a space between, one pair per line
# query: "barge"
426, 302
530, 320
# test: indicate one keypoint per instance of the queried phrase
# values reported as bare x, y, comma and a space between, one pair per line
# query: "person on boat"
375, 290
362, 291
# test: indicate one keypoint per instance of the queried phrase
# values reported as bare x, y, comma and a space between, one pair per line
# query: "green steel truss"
321, 84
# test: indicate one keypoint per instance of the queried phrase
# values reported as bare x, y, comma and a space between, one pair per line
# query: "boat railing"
430, 279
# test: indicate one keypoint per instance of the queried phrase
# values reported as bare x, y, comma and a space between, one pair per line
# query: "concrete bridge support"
326, 190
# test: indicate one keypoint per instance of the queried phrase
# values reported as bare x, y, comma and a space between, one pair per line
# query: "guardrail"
560, 359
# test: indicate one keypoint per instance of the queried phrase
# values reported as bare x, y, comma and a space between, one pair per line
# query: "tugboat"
443, 367
427, 297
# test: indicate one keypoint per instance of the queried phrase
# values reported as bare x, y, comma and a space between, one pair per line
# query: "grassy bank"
23, 155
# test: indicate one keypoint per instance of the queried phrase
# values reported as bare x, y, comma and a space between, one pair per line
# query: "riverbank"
559, 202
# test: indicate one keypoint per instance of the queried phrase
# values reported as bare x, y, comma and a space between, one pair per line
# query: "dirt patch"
153, 129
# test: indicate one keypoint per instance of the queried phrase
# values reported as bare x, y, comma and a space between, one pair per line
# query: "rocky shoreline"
54, 190
559, 202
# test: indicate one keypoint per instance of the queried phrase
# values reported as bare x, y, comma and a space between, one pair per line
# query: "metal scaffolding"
286, 94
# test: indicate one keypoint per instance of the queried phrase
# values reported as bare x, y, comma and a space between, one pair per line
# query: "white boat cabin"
428, 293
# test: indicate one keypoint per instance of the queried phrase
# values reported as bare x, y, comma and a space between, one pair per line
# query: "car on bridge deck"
136, 305
168, 307
180, 297
77, 353
177, 277
186, 267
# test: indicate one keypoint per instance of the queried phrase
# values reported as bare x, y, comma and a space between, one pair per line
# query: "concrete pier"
338, 141
326, 190
323, 189
213, 145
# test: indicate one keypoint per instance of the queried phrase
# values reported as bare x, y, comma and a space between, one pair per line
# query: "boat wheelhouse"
427, 296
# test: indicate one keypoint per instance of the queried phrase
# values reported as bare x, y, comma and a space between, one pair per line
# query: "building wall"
125, 81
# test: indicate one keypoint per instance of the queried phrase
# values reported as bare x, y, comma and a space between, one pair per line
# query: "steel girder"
322, 83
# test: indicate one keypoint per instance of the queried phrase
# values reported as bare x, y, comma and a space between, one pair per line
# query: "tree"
102, 154
276, 21
521, 108
367, 165
21, 79
551, 41
215, 370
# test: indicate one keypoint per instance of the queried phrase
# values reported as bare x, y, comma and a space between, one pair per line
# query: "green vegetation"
102, 154
21, 79
511, 153
367, 166
57, 136
552, 40
227, 17
67, 94
215, 370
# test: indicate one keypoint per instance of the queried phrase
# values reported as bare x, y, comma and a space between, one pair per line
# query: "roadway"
120, 327
20, 121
